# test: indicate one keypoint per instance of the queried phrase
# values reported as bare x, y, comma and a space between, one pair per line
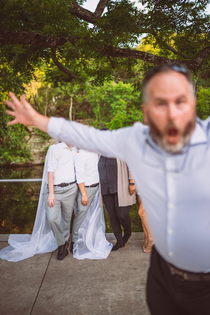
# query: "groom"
60, 193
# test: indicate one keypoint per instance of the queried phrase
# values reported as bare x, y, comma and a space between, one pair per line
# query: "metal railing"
20, 180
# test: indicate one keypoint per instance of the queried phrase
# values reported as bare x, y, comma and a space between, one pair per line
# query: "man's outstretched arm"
25, 114
115, 143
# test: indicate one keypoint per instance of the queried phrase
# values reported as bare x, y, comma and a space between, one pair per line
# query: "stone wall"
38, 146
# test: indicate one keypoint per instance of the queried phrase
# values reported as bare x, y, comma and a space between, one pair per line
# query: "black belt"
65, 184
184, 275
93, 185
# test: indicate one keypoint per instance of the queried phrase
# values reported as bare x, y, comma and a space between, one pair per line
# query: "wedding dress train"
92, 243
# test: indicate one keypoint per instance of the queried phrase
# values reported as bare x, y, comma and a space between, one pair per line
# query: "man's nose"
172, 111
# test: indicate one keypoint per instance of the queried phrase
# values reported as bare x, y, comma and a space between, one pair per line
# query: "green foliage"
67, 93
42, 134
203, 102
112, 105
181, 24
115, 105
13, 148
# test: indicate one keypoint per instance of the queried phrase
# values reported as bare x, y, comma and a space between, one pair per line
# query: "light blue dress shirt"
175, 189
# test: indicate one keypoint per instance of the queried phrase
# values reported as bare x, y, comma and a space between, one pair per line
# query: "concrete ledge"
4, 237
109, 236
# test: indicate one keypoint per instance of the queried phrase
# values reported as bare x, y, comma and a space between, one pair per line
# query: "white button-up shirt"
86, 164
61, 162
175, 188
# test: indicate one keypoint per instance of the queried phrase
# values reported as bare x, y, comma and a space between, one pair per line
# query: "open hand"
22, 111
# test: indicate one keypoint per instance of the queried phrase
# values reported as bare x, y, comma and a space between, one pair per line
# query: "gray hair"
166, 68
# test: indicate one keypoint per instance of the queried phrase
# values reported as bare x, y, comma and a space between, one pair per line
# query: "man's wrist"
40, 121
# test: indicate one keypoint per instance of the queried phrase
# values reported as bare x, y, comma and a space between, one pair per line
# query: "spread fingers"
10, 104
11, 113
12, 122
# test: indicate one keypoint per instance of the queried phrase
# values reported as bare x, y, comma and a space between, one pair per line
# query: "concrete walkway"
43, 285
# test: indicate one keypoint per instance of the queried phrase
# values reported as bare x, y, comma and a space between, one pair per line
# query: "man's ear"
145, 113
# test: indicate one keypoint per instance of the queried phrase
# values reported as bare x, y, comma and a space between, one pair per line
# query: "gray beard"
160, 139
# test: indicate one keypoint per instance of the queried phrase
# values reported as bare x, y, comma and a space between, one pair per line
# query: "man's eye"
181, 101
161, 104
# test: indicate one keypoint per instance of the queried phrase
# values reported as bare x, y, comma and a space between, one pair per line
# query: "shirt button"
170, 253
170, 231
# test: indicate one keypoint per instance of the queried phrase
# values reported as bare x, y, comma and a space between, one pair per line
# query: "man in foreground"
170, 163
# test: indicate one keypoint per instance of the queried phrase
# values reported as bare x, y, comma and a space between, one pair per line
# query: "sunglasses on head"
178, 68
165, 67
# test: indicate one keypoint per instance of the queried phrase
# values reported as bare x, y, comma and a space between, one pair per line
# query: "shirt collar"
152, 143
65, 146
199, 135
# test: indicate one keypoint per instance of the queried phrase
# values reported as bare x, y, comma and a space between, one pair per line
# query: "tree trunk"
70, 109
46, 102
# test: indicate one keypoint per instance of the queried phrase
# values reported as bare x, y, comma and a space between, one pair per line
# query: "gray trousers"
64, 202
81, 210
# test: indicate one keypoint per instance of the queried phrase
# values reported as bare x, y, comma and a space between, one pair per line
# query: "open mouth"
172, 132
172, 135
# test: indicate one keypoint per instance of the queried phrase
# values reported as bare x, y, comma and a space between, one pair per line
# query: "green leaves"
182, 24
13, 146
203, 102
115, 105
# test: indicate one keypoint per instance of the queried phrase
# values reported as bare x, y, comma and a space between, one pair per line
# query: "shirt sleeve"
129, 174
80, 161
108, 143
53, 159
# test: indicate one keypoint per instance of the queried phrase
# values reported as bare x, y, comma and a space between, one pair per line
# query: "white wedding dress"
91, 241
91, 244
41, 241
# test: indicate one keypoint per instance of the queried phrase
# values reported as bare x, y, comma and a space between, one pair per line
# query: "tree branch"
87, 15
42, 41
131, 53
192, 64
61, 67
35, 39
100, 8
198, 60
